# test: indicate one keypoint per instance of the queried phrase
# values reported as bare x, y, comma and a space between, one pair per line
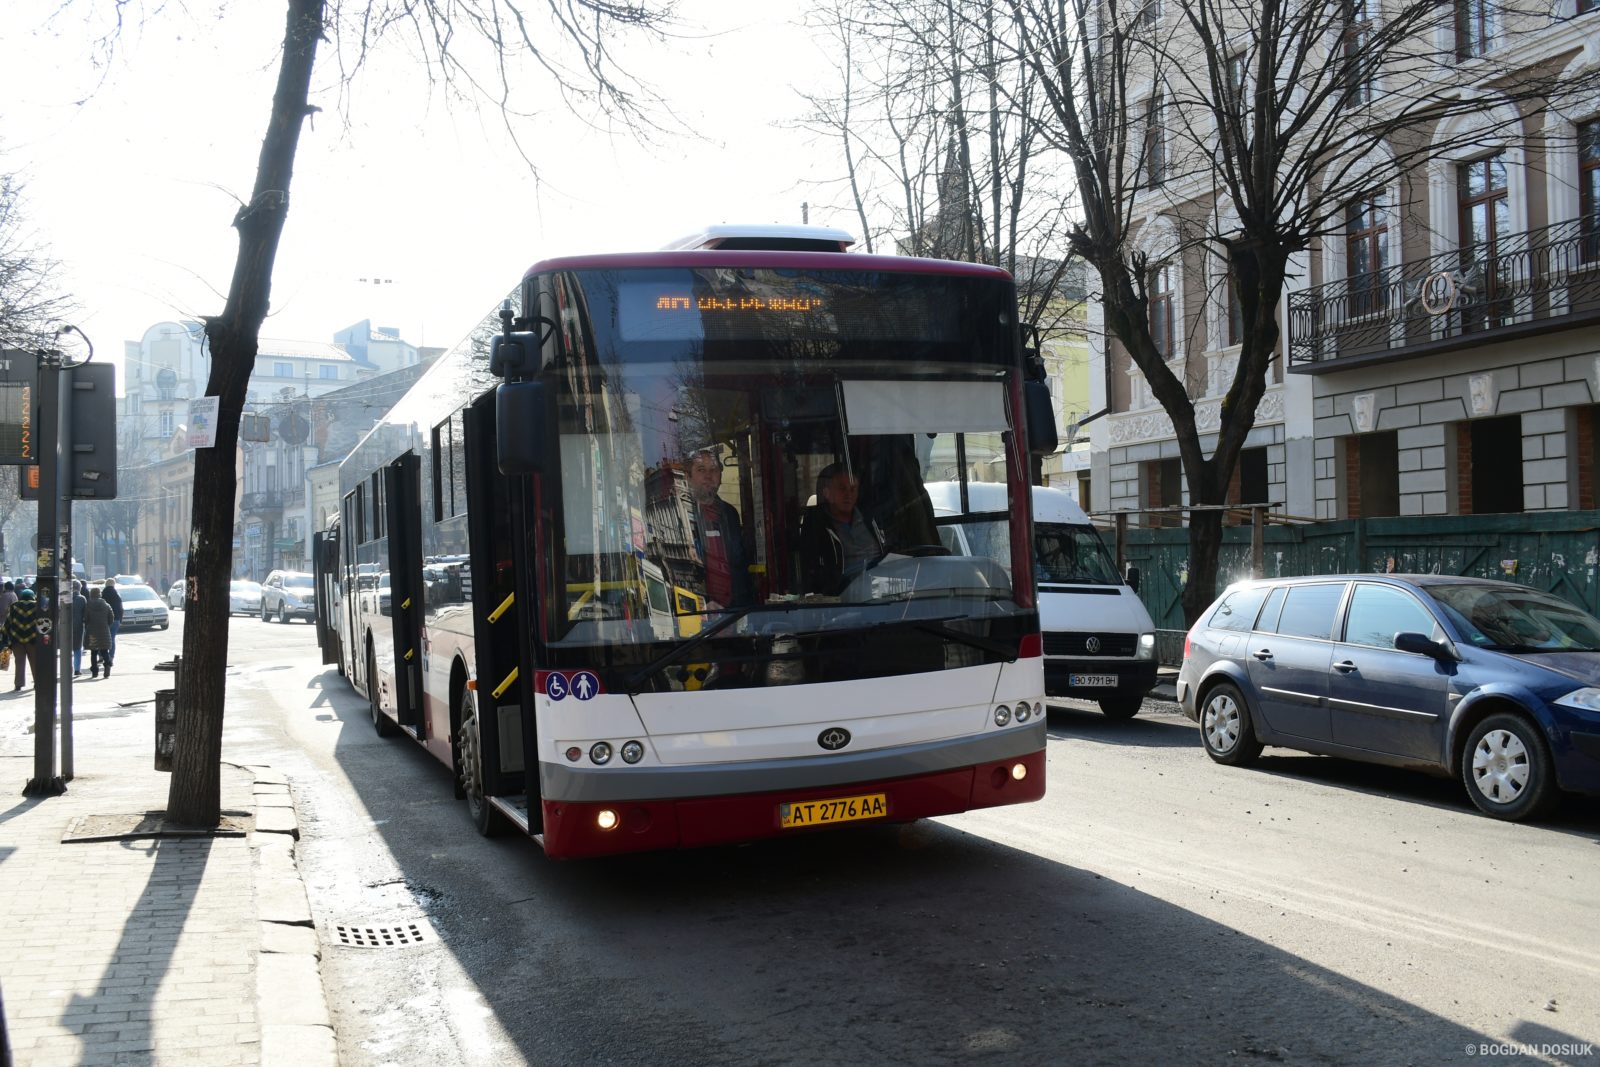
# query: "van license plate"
838, 809
1086, 680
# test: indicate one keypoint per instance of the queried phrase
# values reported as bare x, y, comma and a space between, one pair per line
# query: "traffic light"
91, 455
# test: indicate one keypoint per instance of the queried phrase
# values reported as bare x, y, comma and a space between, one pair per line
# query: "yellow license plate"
837, 809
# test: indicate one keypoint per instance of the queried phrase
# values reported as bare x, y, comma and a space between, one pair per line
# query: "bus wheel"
469, 770
380, 722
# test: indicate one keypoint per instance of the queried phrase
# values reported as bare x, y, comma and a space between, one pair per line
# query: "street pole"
45, 781
64, 596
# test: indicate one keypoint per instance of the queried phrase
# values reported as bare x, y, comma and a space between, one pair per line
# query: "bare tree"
32, 306
1245, 130
944, 138
480, 51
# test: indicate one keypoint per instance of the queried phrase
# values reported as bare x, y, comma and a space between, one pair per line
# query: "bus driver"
837, 542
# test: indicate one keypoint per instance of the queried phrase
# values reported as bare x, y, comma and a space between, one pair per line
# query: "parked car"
288, 595
175, 596
244, 597
1099, 641
1494, 683
142, 608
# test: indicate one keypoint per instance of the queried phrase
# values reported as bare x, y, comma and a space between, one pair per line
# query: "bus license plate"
838, 809
1091, 679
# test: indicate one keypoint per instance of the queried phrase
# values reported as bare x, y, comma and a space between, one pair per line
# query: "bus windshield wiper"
937, 627
731, 616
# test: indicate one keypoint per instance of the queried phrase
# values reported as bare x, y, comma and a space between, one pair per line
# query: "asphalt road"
1154, 908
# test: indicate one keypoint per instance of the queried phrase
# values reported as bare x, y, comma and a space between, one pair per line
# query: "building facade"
1440, 349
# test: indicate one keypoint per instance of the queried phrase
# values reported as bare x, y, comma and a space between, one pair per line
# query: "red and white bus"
579, 561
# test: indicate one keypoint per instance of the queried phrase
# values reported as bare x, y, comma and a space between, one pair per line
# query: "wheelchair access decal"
580, 685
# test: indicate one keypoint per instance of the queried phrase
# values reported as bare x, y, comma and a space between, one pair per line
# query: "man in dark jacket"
837, 542
113, 598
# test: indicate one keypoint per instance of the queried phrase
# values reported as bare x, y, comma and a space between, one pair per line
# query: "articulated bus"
613, 655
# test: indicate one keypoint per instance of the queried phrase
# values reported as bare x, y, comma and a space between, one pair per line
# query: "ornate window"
1155, 143
1357, 58
1366, 252
1477, 26
1589, 189
1159, 287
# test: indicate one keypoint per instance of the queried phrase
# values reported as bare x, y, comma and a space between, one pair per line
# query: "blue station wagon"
1494, 683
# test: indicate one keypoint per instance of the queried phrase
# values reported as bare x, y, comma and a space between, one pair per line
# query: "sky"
407, 208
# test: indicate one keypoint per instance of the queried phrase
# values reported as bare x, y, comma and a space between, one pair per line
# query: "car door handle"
1345, 666
1262, 653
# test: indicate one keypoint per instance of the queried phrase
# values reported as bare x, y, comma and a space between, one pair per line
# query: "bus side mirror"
1041, 413
519, 427
512, 355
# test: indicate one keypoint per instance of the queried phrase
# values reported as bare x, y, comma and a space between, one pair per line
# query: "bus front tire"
469, 770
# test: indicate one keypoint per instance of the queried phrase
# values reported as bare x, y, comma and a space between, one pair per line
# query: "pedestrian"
97, 622
79, 602
8, 597
22, 636
113, 598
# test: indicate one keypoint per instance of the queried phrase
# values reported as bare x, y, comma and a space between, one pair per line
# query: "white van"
1099, 641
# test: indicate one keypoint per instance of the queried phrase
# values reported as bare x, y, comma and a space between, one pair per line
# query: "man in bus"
837, 542
718, 536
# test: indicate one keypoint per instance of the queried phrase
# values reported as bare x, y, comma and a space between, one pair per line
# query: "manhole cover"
400, 936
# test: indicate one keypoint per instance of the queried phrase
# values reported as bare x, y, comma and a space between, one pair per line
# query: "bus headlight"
1002, 715
632, 752
1023, 711
606, 819
600, 752
1147, 646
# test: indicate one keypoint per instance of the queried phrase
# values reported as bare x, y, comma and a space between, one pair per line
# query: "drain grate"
400, 936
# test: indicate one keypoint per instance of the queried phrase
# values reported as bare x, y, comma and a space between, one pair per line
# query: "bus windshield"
771, 461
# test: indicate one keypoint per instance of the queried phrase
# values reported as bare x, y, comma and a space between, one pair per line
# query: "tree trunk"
194, 796
1205, 550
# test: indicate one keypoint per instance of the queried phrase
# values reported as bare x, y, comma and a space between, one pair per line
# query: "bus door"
326, 576
504, 667
402, 492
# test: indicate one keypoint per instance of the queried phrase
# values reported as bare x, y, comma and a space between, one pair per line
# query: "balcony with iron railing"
1534, 282
262, 501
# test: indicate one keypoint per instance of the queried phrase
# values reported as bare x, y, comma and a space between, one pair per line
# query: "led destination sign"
739, 303
18, 372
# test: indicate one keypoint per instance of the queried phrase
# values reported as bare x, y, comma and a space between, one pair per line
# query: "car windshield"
1075, 554
137, 592
297, 582
1517, 620
245, 587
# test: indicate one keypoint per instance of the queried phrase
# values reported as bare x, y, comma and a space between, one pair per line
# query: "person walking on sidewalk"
97, 623
113, 598
22, 636
79, 602
8, 597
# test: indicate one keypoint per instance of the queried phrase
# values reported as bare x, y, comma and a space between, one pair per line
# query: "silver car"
244, 597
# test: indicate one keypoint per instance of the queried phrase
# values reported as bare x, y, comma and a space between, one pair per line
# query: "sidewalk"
125, 942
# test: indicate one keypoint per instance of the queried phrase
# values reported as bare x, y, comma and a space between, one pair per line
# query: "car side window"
1378, 612
1269, 614
1237, 610
1309, 610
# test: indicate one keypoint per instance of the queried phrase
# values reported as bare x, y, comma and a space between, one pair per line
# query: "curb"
291, 1004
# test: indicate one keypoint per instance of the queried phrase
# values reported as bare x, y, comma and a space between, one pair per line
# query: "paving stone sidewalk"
124, 945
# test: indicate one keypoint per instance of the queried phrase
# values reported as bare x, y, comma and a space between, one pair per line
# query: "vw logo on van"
1092, 645
834, 738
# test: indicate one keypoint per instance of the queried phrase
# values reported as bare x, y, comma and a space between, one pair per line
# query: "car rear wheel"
1124, 706
1225, 727
1507, 769
263, 611
283, 615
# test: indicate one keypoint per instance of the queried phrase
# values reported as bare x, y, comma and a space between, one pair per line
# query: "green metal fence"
1555, 551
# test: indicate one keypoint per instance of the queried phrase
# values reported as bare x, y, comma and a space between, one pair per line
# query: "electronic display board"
19, 377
